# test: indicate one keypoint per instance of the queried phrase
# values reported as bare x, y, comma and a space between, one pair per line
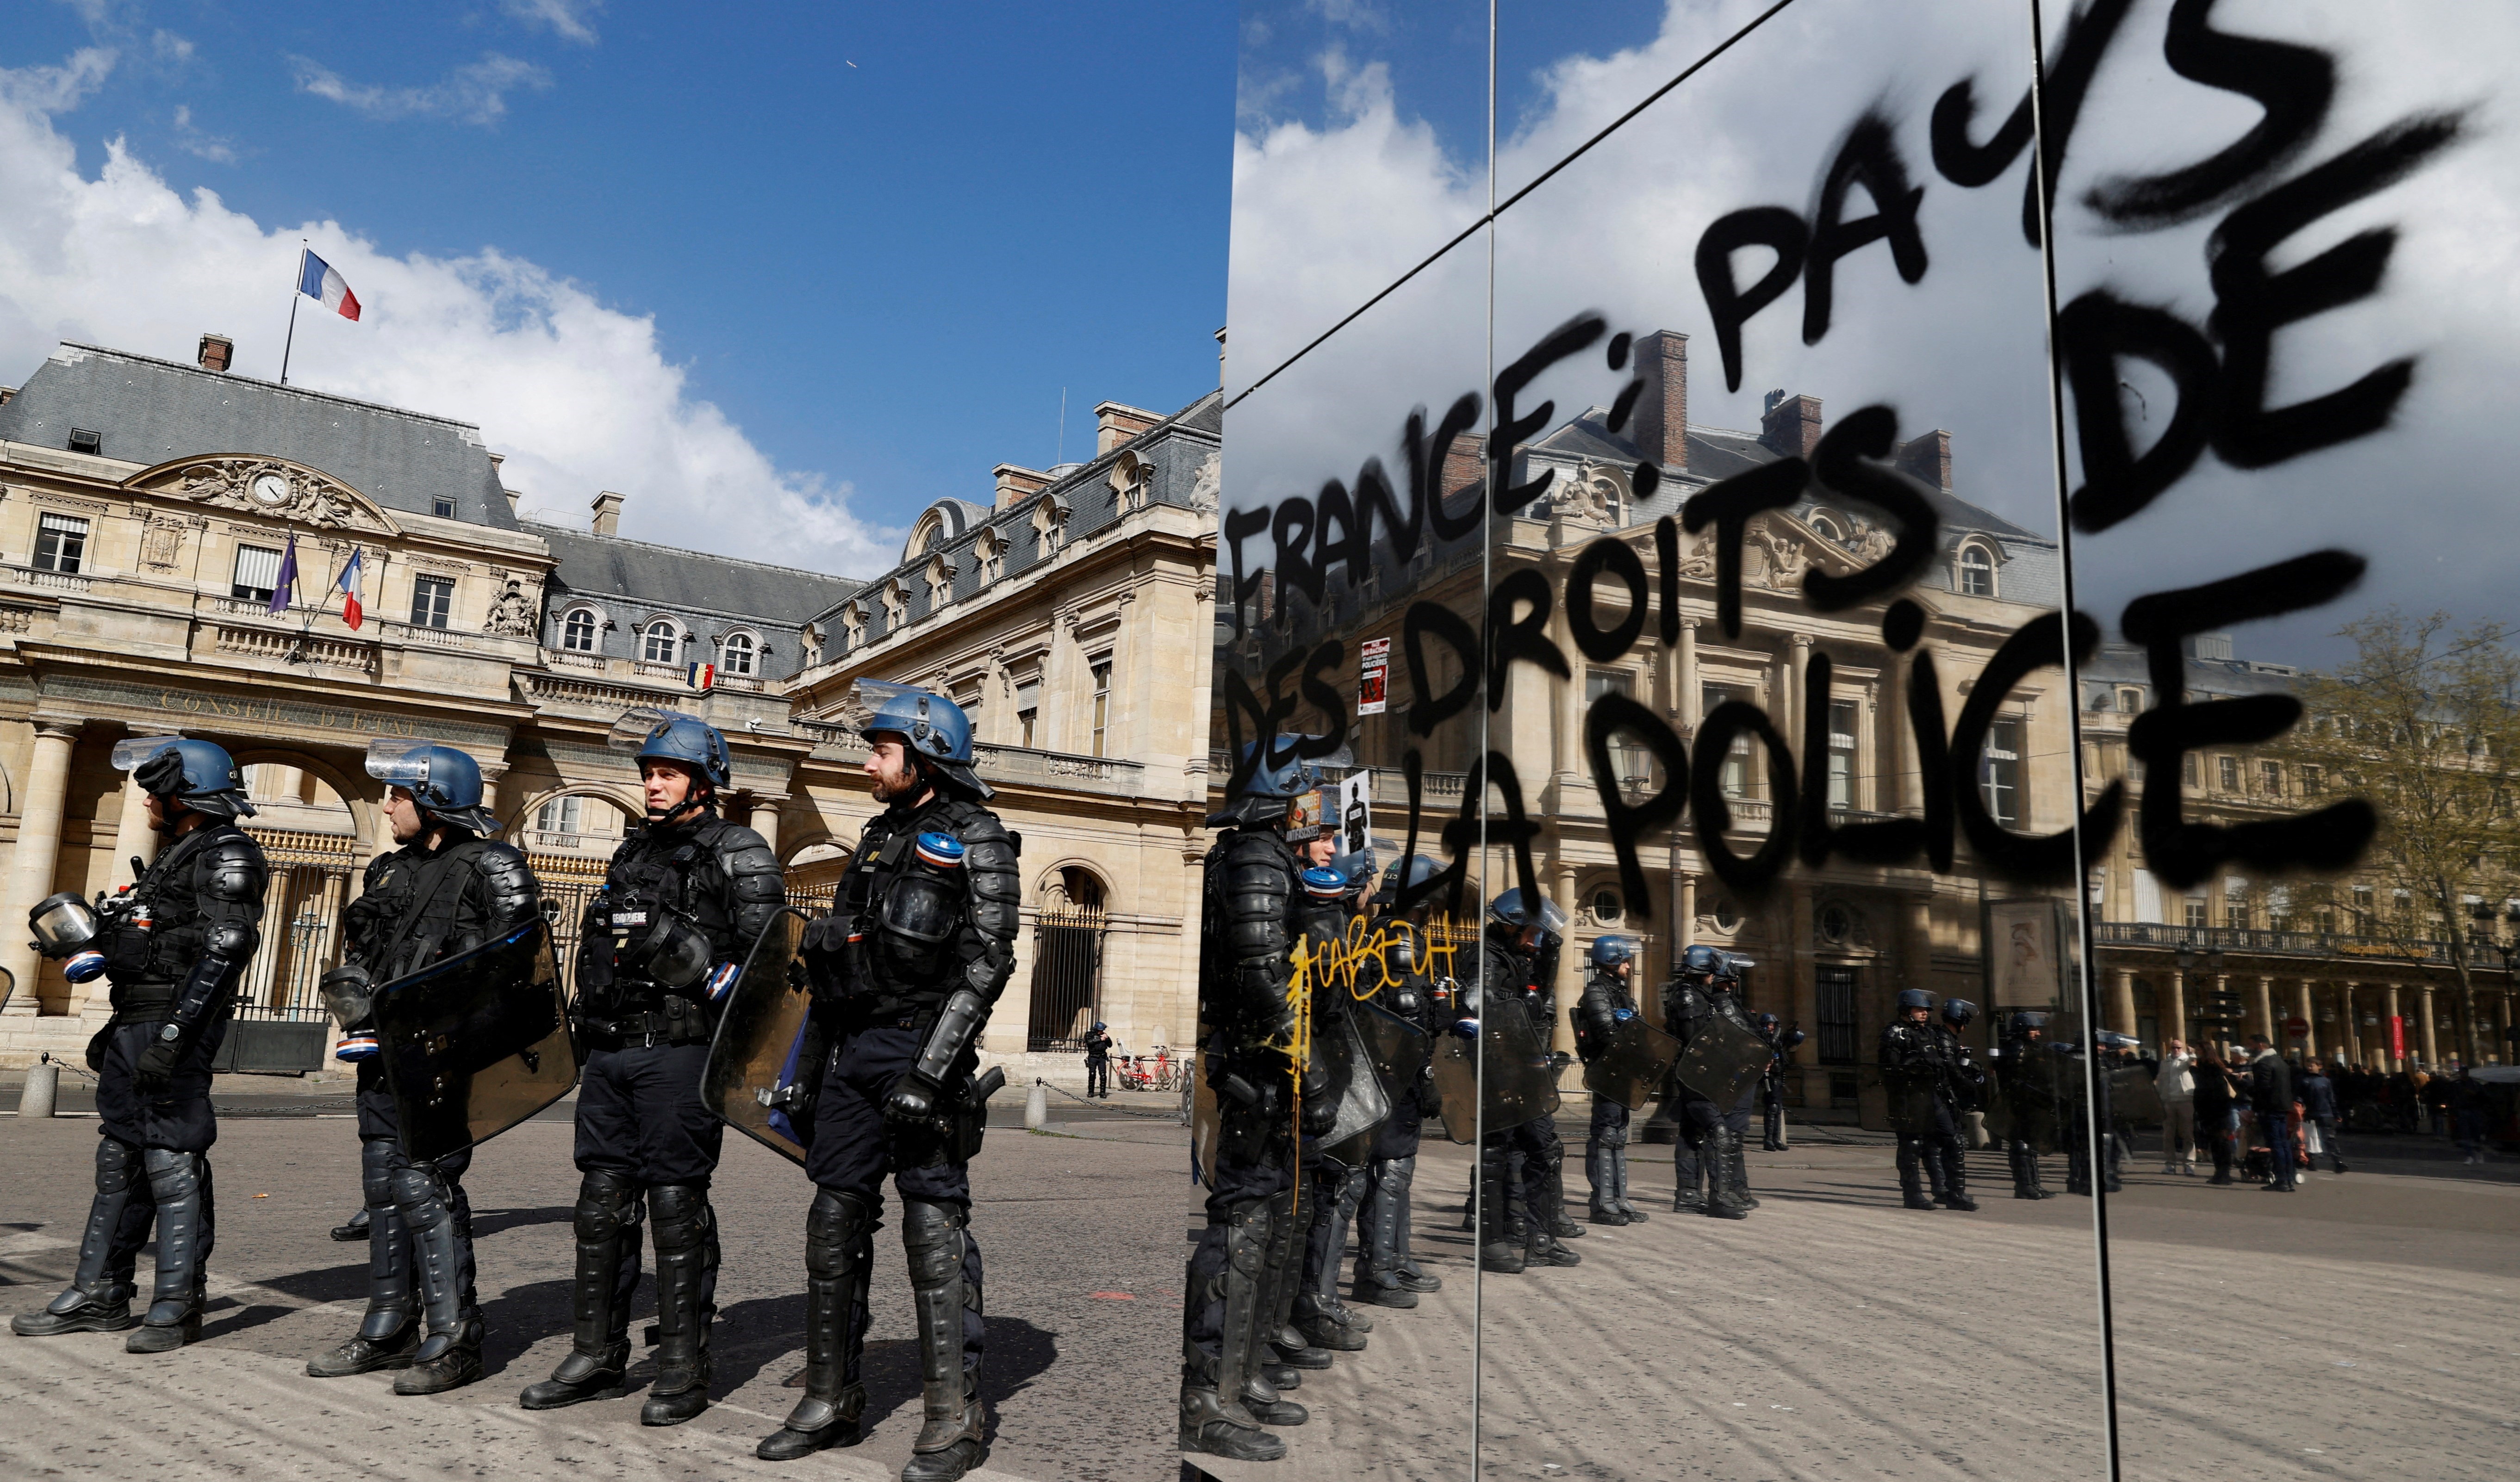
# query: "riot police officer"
445, 891
1249, 894
1334, 1173
1771, 1081
1385, 1275
2026, 1075
905, 971
1098, 1061
1707, 1159
682, 905
174, 945
1522, 1197
1960, 1086
1605, 1004
1911, 1072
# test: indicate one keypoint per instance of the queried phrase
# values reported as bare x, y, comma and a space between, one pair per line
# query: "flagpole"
293, 296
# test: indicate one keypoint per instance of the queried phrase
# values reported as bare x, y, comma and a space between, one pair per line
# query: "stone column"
2425, 1019
35, 857
1692, 695
1570, 970
2121, 1000
2262, 1009
1908, 772
764, 820
2388, 1023
2308, 1013
2173, 1007
1803, 974
2350, 1041
1565, 751
1798, 667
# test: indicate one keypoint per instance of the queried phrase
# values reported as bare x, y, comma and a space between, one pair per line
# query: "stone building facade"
145, 507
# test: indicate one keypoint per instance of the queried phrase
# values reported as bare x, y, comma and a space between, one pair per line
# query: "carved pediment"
268, 486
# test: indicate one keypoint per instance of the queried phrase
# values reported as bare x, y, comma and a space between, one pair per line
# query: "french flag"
317, 281
352, 571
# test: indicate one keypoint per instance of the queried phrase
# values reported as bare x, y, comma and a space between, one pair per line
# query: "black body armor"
175, 945
1910, 1057
418, 907
1250, 897
1596, 1013
718, 878
914, 930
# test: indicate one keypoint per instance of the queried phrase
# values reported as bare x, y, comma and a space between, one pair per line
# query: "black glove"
824, 950
914, 1098
155, 1067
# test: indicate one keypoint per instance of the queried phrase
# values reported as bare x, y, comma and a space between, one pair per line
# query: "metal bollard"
43, 1087
1036, 1106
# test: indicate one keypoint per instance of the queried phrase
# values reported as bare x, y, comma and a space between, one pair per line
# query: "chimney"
513, 495
1016, 481
214, 352
1791, 424
8, 395
1659, 424
608, 514
1220, 357
1927, 459
1466, 464
1115, 424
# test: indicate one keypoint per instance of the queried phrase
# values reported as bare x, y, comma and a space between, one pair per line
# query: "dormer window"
662, 642
1976, 570
940, 582
853, 623
578, 631
740, 653
990, 550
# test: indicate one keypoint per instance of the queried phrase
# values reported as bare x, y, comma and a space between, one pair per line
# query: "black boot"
839, 1246
389, 1334
1548, 1189
99, 1296
450, 1357
1502, 1236
607, 1272
1619, 1183
1411, 1276
1376, 1280
1729, 1197
355, 1228
2025, 1171
1213, 1419
949, 1440
1912, 1178
1689, 1167
1280, 1273
686, 1285
1603, 1207
1736, 1170
1955, 1194
180, 1184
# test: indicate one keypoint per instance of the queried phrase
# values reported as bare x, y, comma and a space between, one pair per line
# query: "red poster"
2397, 1037
1373, 676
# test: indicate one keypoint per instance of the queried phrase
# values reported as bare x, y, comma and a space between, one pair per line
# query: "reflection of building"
2317, 963
1834, 945
145, 511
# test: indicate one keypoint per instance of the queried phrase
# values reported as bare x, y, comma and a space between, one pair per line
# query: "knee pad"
417, 1188
836, 1227
173, 1177
117, 1167
680, 1215
376, 1172
932, 1233
608, 1203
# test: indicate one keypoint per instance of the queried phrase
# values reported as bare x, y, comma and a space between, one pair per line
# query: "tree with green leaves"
2424, 720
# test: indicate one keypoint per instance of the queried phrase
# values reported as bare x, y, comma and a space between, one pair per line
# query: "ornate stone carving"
264, 486
162, 543
1205, 483
511, 616
1780, 561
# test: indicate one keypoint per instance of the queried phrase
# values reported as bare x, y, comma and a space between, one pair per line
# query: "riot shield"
760, 1078
1455, 1070
2134, 1094
1206, 1118
1521, 1080
476, 1044
1723, 1062
1396, 1047
1632, 1068
1339, 1059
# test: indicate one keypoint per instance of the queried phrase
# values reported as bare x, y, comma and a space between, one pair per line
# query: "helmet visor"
131, 752
868, 699
638, 723
399, 762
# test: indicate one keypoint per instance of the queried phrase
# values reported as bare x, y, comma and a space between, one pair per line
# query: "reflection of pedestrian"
2176, 1084
1098, 1061
2270, 1097
2217, 1113
2319, 1107
2465, 1099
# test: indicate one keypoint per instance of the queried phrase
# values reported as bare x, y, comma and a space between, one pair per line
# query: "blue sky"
878, 239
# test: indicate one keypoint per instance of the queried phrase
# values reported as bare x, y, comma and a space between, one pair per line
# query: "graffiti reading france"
2220, 371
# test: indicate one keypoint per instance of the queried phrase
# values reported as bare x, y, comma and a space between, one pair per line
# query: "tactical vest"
419, 909
656, 869
1224, 997
147, 963
907, 899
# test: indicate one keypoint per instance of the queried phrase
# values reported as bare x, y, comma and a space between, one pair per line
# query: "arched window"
738, 654
662, 643
578, 631
1826, 530
1977, 570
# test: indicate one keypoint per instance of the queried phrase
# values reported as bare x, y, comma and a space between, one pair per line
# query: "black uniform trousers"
639, 1115
176, 1116
854, 1145
1244, 1174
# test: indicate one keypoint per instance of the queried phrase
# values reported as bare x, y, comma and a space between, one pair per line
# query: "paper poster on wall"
1373, 676
2023, 964
1347, 809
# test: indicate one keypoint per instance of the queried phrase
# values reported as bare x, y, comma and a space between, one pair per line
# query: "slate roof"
147, 410
607, 565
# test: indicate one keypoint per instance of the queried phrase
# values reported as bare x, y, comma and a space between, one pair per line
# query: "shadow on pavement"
490, 1222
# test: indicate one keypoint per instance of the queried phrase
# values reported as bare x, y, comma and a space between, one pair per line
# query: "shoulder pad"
750, 864
233, 870
516, 895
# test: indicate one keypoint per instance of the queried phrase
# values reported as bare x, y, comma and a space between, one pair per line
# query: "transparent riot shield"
761, 1068
1456, 1069
1632, 1068
476, 1044
1397, 1048
1339, 1057
1723, 1062
2134, 1096
1521, 1081
1206, 1121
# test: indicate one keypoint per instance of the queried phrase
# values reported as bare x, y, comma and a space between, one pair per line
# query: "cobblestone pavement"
2361, 1327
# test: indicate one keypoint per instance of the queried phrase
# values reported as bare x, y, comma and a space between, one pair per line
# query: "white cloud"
216, 147
569, 19
579, 396
474, 93
170, 48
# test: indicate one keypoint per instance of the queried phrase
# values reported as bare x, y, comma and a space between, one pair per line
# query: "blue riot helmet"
1914, 998
1702, 959
1409, 875
1611, 951
1765, 1022
1279, 775
933, 728
444, 782
1958, 1013
198, 774
1508, 909
670, 735
2028, 1020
